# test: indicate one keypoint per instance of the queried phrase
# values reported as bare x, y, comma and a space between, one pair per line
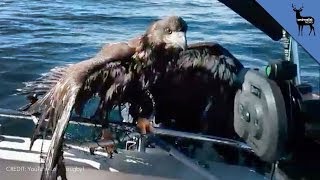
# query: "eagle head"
169, 33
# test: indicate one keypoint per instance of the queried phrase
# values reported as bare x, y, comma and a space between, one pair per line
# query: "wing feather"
212, 57
80, 81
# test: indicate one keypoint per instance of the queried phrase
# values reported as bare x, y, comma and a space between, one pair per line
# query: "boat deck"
17, 161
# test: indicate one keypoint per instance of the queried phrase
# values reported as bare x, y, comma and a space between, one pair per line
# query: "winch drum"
260, 116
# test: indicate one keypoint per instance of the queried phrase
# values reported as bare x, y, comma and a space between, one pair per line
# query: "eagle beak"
177, 40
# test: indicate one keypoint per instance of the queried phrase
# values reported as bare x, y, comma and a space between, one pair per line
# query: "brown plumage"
198, 92
107, 75
204, 72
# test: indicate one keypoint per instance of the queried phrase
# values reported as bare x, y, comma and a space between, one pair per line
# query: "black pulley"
282, 70
260, 116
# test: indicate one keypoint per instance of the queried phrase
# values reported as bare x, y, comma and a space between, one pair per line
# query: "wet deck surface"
13, 170
16, 161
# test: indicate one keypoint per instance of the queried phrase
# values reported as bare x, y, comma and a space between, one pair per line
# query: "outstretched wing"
78, 83
73, 91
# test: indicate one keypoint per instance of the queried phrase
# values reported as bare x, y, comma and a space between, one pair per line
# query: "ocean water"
38, 35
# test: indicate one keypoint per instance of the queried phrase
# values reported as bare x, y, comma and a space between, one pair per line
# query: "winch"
279, 120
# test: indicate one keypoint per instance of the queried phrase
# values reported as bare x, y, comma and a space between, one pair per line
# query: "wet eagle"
119, 72
197, 93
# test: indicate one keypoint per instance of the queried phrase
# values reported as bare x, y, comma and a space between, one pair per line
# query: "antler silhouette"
301, 8
294, 7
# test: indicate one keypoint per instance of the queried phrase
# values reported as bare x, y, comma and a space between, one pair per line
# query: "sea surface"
36, 36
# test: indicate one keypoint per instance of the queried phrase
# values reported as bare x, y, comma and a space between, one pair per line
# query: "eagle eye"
168, 30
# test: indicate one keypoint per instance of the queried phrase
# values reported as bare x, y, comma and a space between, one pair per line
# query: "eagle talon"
107, 135
110, 155
144, 126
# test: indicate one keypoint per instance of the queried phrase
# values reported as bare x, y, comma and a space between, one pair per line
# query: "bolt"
257, 132
245, 115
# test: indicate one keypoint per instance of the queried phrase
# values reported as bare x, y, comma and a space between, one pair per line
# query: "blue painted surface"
283, 12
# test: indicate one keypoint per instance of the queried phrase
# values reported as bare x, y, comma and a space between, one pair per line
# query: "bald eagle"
119, 72
197, 93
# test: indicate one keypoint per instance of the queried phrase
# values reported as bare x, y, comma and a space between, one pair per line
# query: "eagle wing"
72, 86
78, 83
